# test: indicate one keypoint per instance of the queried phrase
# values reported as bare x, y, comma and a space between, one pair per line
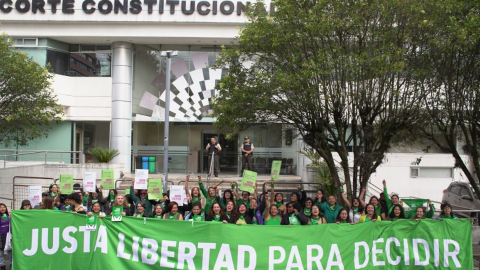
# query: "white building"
110, 78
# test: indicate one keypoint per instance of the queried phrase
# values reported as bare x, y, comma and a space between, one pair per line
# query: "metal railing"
44, 156
20, 191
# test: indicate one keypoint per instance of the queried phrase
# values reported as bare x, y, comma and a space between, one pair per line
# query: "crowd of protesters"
267, 208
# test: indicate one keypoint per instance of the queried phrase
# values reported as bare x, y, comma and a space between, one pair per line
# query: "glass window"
456, 190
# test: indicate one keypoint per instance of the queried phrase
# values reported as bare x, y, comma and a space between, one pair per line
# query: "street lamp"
169, 55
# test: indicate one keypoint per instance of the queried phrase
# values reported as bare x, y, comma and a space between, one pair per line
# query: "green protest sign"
276, 166
91, 223
249, 180
61, 241
117, 213
66, 183
155, 189
108, 179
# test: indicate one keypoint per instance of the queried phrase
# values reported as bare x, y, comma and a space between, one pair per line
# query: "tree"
451, 52
27, 105
339, 71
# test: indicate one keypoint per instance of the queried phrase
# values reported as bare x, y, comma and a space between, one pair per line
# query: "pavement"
476, 256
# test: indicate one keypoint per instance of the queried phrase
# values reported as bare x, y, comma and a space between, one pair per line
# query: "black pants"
247, 160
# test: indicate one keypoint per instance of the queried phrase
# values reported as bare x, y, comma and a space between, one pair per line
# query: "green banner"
276, 166
60, 240
66, 183
155, 189
108, 179
249, 180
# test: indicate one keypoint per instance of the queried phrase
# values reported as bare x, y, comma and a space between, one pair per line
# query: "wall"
85, 98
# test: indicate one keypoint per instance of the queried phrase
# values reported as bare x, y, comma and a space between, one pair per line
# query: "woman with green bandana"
307, 208
299, 196
272, 217
112, 193
343, 218
447, 213
141, 210
196, 214
373, 200
244, 216
194, 196
278, 199
216, 214
143, 197
96, 210
53, 190
94, 197
245, 198
172, 212
330, 209
295, 216
356, 210
121, 201
370, 214
230, 211
227, 197
158, 211
397, 213
211, 196
316, 218
391, 201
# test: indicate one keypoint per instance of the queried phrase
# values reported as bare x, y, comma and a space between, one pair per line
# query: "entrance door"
227, 157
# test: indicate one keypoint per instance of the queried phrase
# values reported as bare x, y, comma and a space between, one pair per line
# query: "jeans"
247, 160
3, 238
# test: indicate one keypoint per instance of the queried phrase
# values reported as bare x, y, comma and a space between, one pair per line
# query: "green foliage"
344, 73
322, 173
451, 53
103, 155
27, 105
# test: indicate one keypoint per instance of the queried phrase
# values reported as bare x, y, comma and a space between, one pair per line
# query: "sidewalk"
476, 256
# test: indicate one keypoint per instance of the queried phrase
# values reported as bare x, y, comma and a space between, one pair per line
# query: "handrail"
45, 152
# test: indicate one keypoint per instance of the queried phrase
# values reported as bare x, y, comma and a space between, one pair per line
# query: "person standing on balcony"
247, 153
213, 148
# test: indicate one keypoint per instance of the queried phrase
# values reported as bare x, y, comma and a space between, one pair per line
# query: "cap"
246, 137
26, 202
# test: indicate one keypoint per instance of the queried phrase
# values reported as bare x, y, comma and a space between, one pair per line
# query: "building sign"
126, 7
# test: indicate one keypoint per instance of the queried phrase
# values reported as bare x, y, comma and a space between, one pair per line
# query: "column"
122, 77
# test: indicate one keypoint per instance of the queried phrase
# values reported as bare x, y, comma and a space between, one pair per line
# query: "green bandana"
314, 221
198, 218
279, 204
307, 211
294, 220
217, 218
159, 217
170, 216
4, 216
112, 197
195, 199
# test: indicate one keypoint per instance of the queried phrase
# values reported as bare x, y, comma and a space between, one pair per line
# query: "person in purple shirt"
4, 228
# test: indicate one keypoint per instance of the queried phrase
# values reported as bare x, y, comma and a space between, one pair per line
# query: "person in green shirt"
211, 196
307, 209
245, 198
216, 214
397, 213
373, 200
447, 213
330, 208
196, 214
391, 201
143, 198
316, 217
227, 197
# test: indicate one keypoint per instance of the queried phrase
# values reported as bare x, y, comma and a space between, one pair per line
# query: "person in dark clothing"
247, 154
4, 228
213, 148
295, 216
216, 214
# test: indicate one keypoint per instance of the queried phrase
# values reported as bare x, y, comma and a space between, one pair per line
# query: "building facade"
110, 78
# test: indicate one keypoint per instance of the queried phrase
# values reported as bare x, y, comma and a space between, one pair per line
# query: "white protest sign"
35, 195
176, 194
141, 179
89, 181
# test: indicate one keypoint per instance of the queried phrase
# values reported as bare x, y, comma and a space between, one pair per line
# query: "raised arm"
187, 191
135, 199
202, 188
234, 191
362, 197
385, 192
430, 212
347, 202
272, 193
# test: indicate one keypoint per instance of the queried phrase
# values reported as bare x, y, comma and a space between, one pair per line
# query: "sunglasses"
143, 193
